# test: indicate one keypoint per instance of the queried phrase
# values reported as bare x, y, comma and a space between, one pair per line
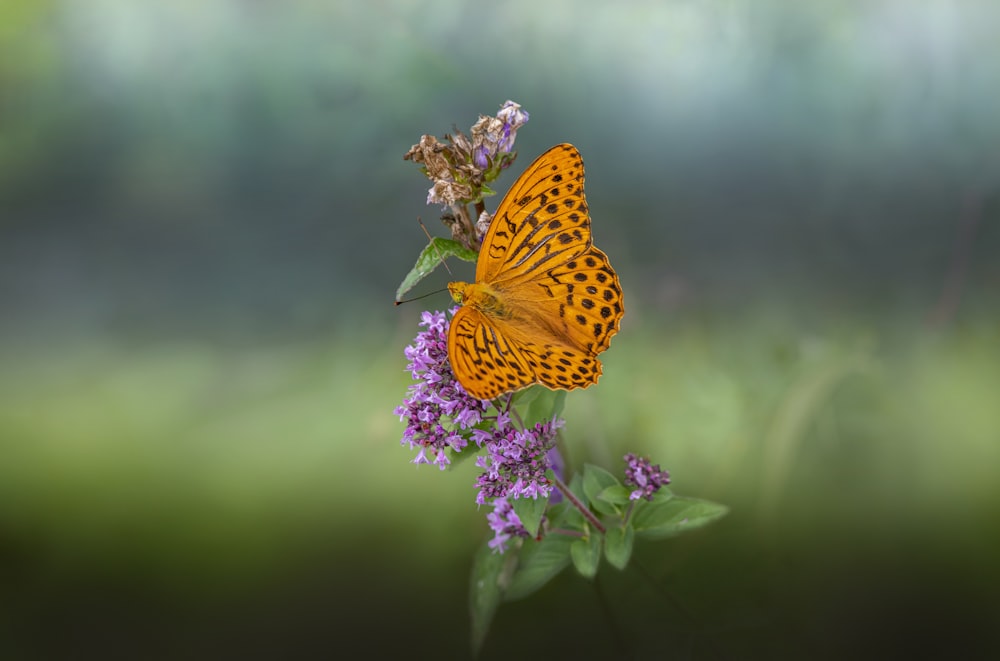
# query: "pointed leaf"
660, 519
530, 511
433, 254
562, 514
595, 481
618, 546
539, 404
571, 517
586, 555
616, 495
485, 591
539, 563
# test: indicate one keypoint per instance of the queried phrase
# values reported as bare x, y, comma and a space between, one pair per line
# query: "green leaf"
618, 546
586, 555
524, 399
433, 254
666, 518
595, 481
485, 591
570, 517
530, 511
565, 516
484, 191
540, 563
539, 404
616, 495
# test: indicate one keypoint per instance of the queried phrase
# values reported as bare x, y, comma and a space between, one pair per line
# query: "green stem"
628, 512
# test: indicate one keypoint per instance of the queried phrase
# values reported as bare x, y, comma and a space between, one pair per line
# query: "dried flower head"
460, 167
483, 224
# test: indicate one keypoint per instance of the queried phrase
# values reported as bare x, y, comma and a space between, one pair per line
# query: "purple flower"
516, 461
647, 478
438, 413
558, 466
440, 416
493, 137
461, 167
513, 118
481, 157
505, 524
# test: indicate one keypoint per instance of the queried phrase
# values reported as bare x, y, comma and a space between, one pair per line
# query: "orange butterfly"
545, 302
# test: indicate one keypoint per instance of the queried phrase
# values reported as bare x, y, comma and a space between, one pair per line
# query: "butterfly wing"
541, 221
489, 360
560, 300
578, 302
486, 362
538, 254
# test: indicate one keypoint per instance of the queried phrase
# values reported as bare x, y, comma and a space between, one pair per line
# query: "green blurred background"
204, 214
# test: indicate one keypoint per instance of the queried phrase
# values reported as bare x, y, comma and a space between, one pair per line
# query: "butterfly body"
545, 302
481, 297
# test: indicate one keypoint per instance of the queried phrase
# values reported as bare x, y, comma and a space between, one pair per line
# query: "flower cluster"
646, 477
439, 414
516, 460
505, 524
494, 136
460, 166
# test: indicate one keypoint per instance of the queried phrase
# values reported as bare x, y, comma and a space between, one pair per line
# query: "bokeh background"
204, 214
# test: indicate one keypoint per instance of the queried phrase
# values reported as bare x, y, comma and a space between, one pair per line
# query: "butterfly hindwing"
562, 367
489, 362
486, 362
580, 301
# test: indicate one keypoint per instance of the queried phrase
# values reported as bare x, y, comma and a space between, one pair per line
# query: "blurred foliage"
204, 213
216, 476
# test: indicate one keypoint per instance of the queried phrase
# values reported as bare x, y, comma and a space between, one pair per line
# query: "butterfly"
545, 301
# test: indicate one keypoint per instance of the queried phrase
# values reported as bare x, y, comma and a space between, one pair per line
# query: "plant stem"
584, 510
480, 208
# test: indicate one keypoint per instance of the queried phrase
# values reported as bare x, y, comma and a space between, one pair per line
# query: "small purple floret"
438, 413
516, 462
646, 477
505, 524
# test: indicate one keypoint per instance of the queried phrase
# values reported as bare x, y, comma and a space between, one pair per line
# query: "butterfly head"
457, 291
481, 297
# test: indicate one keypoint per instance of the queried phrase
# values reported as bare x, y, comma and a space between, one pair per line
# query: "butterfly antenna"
430, 241
417, 298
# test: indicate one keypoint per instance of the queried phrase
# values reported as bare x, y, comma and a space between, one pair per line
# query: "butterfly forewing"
542, 220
